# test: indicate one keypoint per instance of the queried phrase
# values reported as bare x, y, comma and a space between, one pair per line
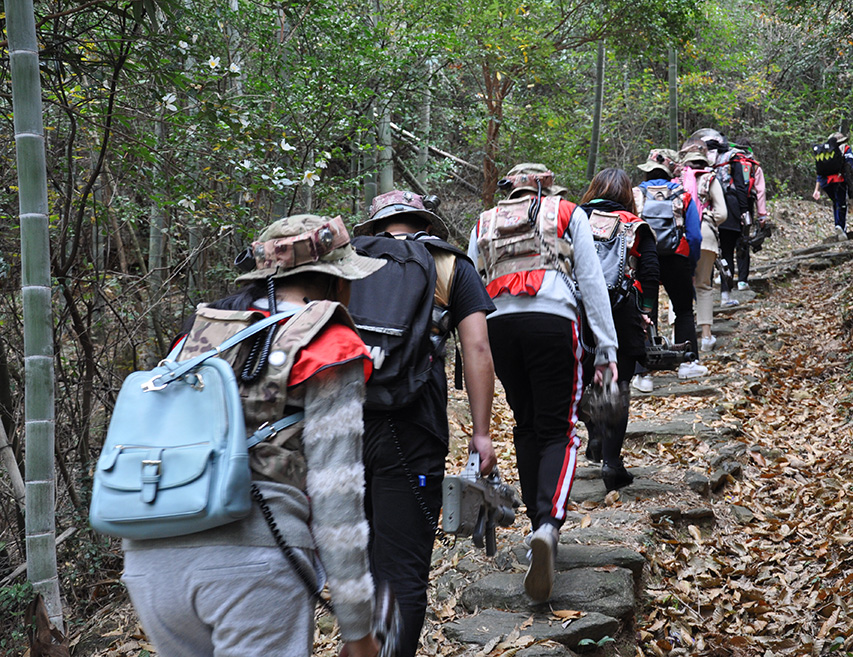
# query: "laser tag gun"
724, 271
474, 505
661, 355
605, 405
753, 238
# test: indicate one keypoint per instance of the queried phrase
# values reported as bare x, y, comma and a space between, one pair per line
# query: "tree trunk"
157, 219
497, 88
673, 99
39, 413
370, 165
426, 127
386, 151
592, 162
8, 459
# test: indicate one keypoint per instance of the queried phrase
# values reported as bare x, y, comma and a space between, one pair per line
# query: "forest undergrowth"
777, 584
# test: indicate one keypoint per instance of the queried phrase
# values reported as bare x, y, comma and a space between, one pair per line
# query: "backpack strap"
162, 380
267, 431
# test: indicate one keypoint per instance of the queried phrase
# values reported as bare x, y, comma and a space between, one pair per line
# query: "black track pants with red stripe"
538, 360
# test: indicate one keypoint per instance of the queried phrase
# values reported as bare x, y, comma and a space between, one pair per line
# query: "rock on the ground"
697, 482
606, 591
591, 556
484, 626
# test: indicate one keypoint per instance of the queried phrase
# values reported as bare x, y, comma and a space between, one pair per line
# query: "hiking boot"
691, 370
616, 477
539, 580
840, 234
742, 285
707, 344
593, 450
643, 382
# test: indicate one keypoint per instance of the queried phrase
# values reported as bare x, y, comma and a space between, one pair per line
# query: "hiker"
536, 343
230, 591
662, 202
832, 177
406, 427
699, 180
736, 171
609, 203
753, 235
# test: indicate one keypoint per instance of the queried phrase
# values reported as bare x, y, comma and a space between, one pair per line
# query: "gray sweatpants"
221, 601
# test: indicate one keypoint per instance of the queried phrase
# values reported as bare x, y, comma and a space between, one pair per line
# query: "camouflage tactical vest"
281, 458
508, 242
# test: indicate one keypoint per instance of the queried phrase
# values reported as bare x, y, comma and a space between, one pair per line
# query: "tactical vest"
508, 242
280, 458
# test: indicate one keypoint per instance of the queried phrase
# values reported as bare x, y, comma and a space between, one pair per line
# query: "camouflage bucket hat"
660, 158
694, 151
401, 202
307, 242
525, 177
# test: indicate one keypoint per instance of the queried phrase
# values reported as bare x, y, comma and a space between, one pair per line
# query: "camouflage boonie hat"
533, 169
399, 202
694, 150
308, 242
660, 158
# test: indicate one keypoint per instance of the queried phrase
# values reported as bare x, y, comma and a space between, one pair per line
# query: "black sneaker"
593, 450
615, 478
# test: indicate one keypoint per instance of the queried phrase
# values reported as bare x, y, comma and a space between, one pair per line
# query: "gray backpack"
663, 210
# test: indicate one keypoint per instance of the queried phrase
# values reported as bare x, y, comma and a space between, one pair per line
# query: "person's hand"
816, 195
646, 319
762, 220
598, 379
367, 646
482, 444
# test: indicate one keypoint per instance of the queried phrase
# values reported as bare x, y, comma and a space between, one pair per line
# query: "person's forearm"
479, 370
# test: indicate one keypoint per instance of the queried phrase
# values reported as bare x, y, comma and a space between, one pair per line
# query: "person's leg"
507, 335
404, 469
553, 359
728, 242
743, 262
678, 282
227, 601
838, 193
703, 282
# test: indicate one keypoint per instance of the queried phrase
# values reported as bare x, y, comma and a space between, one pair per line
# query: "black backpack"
828, 159
392, 309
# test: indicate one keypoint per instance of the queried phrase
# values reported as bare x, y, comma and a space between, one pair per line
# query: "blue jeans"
837, 191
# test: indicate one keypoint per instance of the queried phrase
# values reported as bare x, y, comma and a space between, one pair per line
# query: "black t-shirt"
467, 296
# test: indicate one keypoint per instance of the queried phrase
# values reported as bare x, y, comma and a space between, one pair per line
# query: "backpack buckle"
150, 386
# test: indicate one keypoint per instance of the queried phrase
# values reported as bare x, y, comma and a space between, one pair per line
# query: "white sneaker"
539, 580
727, 302
691, 370
840, 233
707, 344
643, 382
742, 285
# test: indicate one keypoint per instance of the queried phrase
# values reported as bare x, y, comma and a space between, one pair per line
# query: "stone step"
608, 591
570, 557
489, 625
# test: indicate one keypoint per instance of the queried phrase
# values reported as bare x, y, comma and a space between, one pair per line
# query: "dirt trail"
740, 515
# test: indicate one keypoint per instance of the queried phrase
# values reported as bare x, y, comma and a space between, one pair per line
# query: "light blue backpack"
175, 460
